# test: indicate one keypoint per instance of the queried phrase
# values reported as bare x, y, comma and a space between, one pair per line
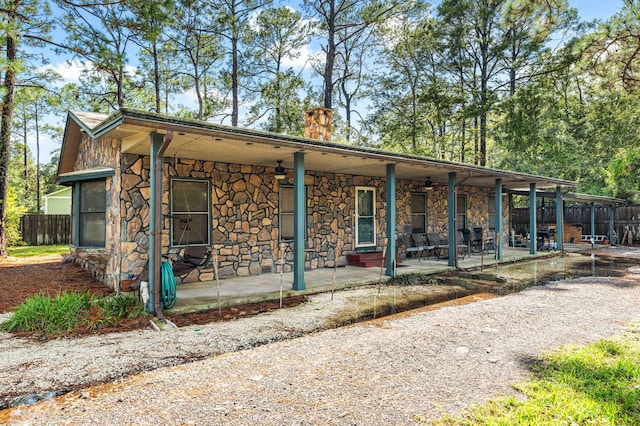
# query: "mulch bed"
21, 278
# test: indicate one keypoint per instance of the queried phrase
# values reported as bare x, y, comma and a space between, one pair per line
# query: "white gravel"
391, 371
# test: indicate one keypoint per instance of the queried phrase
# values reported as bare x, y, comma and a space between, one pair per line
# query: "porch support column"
559, 219
611, 208
498, 224
593, 225
453, 258
298, 221
533, 240
390, 255
155, 221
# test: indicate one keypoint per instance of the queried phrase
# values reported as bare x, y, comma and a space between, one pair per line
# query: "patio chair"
478, 238
411, 248
464, 247
193, 257
466, 240
423, 240
433, 239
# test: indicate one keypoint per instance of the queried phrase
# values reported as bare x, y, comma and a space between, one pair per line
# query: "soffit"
204, 141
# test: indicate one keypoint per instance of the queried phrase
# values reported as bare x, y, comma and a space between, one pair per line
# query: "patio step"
367, 259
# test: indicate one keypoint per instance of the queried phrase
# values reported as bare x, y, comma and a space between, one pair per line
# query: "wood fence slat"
580, 215
40, 229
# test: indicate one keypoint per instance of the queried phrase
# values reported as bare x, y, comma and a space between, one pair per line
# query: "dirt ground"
21, 278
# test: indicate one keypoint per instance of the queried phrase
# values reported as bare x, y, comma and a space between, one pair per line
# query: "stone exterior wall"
244, 199
244, 206
102, 263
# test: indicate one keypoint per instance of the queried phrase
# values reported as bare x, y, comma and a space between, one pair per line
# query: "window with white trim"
492, 212
418, 213
286, 213
461, 211
190, 217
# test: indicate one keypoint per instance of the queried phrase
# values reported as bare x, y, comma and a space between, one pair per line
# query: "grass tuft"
67, 311
51, 316
28, 251
593, 385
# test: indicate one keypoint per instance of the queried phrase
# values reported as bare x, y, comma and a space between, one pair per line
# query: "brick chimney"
317, 124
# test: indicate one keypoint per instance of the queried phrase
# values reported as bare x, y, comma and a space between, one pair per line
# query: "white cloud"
72, 70
69, 70
301, 59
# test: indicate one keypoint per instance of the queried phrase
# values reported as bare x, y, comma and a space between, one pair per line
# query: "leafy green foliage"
110, 311
624, 174
14, 212
50, 316
63, 313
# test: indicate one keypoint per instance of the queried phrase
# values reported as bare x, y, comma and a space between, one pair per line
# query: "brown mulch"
21, 278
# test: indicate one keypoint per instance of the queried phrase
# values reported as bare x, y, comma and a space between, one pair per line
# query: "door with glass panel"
365, 217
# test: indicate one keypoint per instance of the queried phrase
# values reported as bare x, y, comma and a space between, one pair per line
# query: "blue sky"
596, 9
588, 10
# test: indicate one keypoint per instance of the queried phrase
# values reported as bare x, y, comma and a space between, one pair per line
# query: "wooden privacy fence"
580, 215
45, 229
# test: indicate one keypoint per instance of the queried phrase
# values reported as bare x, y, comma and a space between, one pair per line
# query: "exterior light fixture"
428, 185
280, 172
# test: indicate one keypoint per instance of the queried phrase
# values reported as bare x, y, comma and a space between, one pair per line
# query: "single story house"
146, 184
57, 202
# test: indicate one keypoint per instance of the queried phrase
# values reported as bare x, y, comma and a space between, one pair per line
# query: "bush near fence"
45, 229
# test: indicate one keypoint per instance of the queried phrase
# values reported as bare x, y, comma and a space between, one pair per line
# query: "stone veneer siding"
102, 263
245, 214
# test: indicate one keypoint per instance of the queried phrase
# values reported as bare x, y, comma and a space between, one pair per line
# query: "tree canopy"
516, 84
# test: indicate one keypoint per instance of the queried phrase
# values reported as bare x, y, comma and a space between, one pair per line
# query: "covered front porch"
240, 290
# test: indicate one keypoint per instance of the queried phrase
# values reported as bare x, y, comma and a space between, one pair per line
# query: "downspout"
157, 205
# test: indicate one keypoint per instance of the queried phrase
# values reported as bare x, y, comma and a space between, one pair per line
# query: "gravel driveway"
390, 371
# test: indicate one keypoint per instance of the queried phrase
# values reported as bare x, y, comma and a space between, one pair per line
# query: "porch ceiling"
206, 141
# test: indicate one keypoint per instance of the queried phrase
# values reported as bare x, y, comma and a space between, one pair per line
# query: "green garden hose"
168, 295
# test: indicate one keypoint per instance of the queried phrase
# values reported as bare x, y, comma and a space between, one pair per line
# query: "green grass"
593, 385
28, 251
51, 316
67, 311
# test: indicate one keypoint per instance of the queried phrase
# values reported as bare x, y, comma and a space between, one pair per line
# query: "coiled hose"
168, 294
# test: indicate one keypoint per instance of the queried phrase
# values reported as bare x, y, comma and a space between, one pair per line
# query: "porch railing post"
533, 240
391, 220
298, 221
498, 224
559, 219
453, 258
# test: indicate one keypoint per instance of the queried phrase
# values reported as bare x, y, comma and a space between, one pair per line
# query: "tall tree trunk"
476, 148
37, 158
331, 54
156, 76
25, 156
5, 122
234, 81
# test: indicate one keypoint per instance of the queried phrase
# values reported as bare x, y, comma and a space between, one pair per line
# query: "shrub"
67, 311
43, 314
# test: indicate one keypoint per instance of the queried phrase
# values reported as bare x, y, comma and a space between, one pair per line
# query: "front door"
365, 217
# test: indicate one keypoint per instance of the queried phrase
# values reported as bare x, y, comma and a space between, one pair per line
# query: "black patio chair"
433, 241
411, 248
464, 247
466, 240
193, 257
478, 239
